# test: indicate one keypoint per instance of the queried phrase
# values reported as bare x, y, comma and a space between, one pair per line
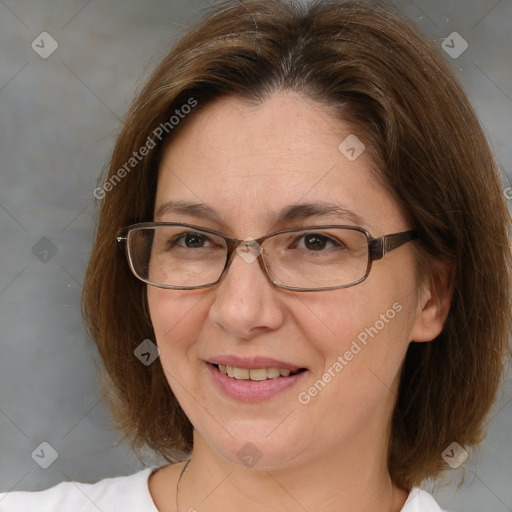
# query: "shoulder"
109, 495
421, 501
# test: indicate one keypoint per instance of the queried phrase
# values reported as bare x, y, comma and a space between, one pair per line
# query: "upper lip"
253, 362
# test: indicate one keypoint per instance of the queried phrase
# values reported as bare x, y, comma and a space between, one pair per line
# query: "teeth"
272, 373
241, 373
257, 374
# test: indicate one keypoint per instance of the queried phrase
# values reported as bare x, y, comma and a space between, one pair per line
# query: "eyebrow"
294, 212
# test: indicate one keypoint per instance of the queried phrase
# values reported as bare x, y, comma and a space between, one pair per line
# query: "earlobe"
433, 303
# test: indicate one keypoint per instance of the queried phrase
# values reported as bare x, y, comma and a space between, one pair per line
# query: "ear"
434, 300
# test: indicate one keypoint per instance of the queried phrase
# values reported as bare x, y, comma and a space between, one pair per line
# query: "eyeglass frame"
377, 249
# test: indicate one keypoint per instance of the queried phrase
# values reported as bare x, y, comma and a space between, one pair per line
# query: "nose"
246, 303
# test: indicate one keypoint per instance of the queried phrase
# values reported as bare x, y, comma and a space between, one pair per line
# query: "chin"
254, 444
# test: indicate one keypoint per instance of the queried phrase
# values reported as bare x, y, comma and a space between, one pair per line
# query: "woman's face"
247, 164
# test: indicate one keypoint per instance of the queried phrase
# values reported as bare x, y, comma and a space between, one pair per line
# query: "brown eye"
315, 242
189, 240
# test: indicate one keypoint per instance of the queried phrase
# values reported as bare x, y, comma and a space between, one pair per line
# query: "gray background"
58, 118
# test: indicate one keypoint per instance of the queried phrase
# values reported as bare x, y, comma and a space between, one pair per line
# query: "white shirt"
129, 493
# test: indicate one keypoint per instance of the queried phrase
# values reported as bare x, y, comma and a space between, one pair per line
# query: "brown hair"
372, 68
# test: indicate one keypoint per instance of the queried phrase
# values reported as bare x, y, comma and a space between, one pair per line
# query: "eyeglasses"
184, 256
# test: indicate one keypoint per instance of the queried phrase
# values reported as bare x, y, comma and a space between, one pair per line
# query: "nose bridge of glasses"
248, 250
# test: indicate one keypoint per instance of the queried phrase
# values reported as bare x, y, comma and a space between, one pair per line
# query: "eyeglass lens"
310, 258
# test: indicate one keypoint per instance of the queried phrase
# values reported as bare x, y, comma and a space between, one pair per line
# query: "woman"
352, 354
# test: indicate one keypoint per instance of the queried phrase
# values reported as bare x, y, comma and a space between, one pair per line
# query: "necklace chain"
179, 481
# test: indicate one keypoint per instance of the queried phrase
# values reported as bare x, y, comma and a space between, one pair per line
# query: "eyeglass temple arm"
380, 246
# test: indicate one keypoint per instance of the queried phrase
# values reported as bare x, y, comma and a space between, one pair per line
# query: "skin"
330, 454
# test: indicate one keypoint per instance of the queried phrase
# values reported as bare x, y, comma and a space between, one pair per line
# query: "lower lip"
252, 390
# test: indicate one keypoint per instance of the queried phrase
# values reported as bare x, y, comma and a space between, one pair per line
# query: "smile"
254, 384
256, 374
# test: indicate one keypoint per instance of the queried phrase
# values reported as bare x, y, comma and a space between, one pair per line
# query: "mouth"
254, 384
255, 374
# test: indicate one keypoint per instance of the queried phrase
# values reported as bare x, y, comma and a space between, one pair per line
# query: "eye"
317, 242
190, 240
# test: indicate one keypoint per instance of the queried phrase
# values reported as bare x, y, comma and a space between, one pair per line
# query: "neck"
354, 479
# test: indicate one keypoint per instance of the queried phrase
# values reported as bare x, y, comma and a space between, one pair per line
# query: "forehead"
247, 162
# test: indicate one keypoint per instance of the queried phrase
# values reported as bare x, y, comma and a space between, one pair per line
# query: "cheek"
359, 329
358, 361
175, 319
